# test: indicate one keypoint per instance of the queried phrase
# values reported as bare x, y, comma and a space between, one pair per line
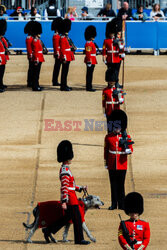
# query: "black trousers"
30, 74
117, 181
115, 67
2, 71
56, 71
73, 213
36, 73
64, 73
89, 76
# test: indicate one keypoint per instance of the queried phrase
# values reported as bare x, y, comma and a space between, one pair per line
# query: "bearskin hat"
119, 119
57, 24
110, 76
64, 151
113, 27
134, 203
3, 26
90, 32
36, 28
66, 26
28, 29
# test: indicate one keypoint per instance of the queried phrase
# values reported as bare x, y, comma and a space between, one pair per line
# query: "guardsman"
112, 95
113, 47
29, 39
37, 55
68, 196
67, 50
139, 230
3, 53
117, 147
56, 26
90, 56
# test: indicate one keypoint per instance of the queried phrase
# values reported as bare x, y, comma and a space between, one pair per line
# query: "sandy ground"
28, 167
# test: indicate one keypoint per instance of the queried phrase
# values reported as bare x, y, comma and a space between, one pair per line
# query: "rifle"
125, 141
126, 234
73, 47
118, 90
45, 50
8, 42
98, 52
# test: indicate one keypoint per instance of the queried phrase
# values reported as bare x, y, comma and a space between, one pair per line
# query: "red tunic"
65, 50
2, 54
109, 102
37, 51
68, 186
139, 230
6, 44
90, 51
111, 51
114, 154
29, 40
56, 45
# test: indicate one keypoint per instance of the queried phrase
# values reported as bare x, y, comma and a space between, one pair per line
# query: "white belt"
71, 188
112, 102
93, 54
39, 51
2, 53
138, 242
117, 152
67, 49
112, 51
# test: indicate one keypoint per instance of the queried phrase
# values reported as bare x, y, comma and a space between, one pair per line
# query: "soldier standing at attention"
3, 53
56, 26
113, 47
117, 147
112, 97
29, 39
66, 53
90, 56
139, 230
68, 196
37, 55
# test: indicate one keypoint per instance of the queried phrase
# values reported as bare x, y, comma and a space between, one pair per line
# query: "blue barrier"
139, 35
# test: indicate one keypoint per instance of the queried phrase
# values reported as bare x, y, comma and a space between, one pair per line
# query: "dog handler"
68, 196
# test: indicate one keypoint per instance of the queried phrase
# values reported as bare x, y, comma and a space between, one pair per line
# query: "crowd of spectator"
124, 13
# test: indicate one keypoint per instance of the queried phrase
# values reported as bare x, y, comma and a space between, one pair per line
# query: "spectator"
33, 15
51, 11
85, 15
71, 13
140, 15
165, 12
3, 14
107, 11
18, 14
125, 13
156, 12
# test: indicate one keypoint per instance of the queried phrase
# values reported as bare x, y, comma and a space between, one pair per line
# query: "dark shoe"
91, 90
112, 208
65, 89
37, 89
69, 87
4, 86
56, 84
46, 235
29, 85
83, 242
2, 90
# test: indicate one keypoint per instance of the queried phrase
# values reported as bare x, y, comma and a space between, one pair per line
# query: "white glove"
121, 100
123, 55
128, 247
89, 64
141, 247
128, 151
106, 167
121, 46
